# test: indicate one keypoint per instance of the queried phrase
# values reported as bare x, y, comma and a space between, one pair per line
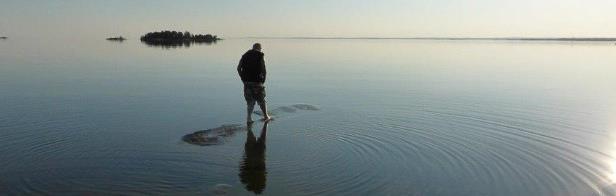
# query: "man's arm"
240, 68
263, 71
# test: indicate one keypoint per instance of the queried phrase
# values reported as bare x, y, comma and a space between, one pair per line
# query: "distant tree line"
116, 39
172, 39
176, 36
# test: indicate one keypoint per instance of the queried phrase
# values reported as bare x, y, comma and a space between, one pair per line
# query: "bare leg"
266, 116
250, 108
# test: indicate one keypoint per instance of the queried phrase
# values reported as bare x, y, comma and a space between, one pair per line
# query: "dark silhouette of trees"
120, 39
176, 39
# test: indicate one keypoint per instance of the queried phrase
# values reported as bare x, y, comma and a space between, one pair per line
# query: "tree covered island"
116, 38
176, 38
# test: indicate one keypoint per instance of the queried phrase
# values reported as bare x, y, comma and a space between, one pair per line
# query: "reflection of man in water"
252, 72
252, 169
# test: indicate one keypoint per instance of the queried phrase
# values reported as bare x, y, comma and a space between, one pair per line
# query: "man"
252, 72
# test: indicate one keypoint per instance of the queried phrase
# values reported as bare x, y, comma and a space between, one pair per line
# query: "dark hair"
256, 45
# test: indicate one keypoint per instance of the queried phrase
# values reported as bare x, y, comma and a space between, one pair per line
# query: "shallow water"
397, 117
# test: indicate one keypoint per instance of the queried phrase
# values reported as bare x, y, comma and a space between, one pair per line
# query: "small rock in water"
213, 136
306, 107
202, 139
287, 109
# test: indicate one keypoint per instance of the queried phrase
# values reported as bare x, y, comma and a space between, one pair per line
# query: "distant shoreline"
580, 39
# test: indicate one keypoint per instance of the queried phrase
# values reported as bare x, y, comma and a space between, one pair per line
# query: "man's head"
256, 46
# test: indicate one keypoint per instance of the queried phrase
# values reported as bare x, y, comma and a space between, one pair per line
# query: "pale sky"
318, 18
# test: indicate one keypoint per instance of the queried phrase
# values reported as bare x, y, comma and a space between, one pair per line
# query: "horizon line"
604, 39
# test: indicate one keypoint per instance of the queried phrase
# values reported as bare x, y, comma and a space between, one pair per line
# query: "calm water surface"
397, 117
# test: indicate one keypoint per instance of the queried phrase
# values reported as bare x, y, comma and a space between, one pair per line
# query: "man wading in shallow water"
252, 71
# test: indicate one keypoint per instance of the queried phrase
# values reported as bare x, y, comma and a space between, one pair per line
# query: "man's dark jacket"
252, 67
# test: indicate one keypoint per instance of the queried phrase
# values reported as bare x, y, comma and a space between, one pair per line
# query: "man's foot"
267, 118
